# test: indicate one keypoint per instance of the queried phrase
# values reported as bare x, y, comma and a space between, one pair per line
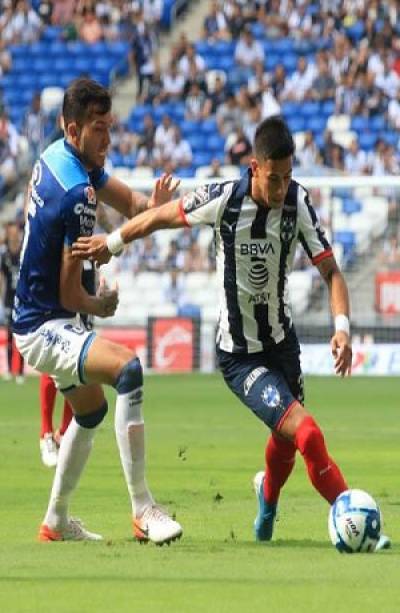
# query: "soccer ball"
354, 522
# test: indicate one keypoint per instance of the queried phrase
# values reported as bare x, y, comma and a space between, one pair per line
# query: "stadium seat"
310, 108
359, 123
316, 124
296, 124
367, 140
197, 141
377, 123
351, 206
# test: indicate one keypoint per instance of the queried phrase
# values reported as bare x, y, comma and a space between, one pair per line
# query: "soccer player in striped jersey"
66, 182
258, 221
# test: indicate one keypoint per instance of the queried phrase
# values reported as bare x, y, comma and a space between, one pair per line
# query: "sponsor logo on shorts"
52, 339
252, 378
271, 396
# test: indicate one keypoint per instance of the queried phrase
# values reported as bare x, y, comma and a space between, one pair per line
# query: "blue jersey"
62, 207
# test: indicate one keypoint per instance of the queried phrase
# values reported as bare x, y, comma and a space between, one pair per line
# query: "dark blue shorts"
267, 382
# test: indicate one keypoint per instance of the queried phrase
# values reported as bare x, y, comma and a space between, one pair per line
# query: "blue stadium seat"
390, 137
65, 78
271, 60
316, 124
215, 143
18, 51
47, 79
348, 240
223, 62
310, 108
258, 30
342, 192
224, 47
377, 123
197, 142
283, 45
39, 49
202, 159
359, 123
160, 110
52, 33
58, 48
176, 111
140, 111
186, 173
84, 65
62, 64
189, 126
296, 124
209, 126
204, 48
356, 31
289, 61
328, 108
367, 140
351, 206
290, 109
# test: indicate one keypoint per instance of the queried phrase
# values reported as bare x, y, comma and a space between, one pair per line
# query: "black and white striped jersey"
255, 247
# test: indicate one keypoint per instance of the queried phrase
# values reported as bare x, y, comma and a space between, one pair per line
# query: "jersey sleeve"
98, 178
202, 205
78, 211
311, 234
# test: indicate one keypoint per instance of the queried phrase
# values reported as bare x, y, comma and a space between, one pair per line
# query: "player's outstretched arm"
339, 298
130, 203
100, 247
75, 298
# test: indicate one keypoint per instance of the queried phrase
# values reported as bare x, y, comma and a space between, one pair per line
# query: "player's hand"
342, 353
93, 248
107, 299
163, 190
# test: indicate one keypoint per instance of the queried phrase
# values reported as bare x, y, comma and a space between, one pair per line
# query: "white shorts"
58, 347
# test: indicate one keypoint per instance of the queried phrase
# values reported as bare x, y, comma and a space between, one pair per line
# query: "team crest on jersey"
288, 225
90, 194
271, 396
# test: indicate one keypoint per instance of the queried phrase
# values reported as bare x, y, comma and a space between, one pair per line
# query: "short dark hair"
82, 97
273, 139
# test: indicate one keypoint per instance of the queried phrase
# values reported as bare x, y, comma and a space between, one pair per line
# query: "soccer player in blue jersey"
258, 222
65, 185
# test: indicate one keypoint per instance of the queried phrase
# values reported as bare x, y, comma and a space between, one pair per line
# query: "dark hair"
82, 97
273, 139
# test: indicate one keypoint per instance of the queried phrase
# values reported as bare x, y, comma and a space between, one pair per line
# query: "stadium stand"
332, 69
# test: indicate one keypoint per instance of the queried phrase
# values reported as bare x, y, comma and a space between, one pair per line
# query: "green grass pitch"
203, 450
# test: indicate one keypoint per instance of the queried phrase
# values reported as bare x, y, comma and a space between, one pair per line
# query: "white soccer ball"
354, 522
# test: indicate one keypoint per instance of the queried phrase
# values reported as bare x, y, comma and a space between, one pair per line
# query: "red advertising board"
173, 344
387, 289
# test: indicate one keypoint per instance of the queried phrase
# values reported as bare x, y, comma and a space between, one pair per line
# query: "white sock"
74, 451
129, 431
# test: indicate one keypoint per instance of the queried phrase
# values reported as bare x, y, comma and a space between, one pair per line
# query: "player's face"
93, 139
270, 181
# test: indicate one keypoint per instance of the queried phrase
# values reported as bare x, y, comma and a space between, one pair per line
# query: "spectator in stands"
251, 118
340, 57
197, 105
388, 80
152, 13
239, 151
8, 151
228, 115
178, 152
62, 12
215, 25
300, 22
33, 127
195, 258
394, 111
22, 25
174, 258
269, 104
275, 21
248, 50
144, 47
217, 93
309, 155
258, 82
236, 20
5, 58
323, 86
90, 30
174, 287
148, 155
155, 87
299, 83
355, 160
147, 134
164, 134
148, 252
173, 83
370, 99
188, 58
214, 170
278, 81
